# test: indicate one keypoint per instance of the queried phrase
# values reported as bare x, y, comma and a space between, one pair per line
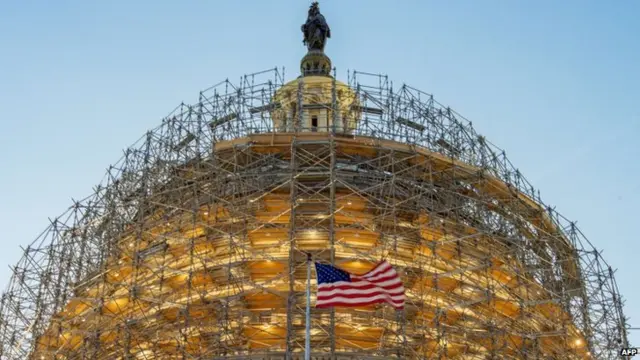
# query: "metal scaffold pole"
307, 342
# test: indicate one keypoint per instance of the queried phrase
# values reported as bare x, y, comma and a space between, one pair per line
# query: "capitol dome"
195, 245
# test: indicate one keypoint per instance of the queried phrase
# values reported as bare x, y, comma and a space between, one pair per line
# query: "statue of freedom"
316, 30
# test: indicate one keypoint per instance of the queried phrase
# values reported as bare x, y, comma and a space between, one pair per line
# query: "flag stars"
329, 274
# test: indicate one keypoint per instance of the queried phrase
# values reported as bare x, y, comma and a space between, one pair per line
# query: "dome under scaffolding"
194, 244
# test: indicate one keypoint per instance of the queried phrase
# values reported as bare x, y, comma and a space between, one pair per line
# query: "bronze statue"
316, 30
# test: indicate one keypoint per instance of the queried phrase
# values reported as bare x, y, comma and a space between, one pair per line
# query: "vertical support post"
291, 301
332, 206
334, 107
307, 342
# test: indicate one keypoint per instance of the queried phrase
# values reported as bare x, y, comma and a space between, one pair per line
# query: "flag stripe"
376, 270
393, 297
387, 285
380, 277
336, 287
361, 300
361, 290
371, 289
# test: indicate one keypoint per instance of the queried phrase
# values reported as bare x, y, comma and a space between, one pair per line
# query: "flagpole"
307, 343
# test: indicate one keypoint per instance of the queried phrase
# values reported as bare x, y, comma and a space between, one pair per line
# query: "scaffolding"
194, 244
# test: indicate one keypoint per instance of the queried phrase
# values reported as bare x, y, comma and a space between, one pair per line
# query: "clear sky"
554, 83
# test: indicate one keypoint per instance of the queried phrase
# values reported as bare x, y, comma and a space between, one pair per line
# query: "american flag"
337, 287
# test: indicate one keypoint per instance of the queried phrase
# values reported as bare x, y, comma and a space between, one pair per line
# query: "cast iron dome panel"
193, 245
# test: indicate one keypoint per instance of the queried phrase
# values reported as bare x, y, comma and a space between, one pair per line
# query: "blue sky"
553, 83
